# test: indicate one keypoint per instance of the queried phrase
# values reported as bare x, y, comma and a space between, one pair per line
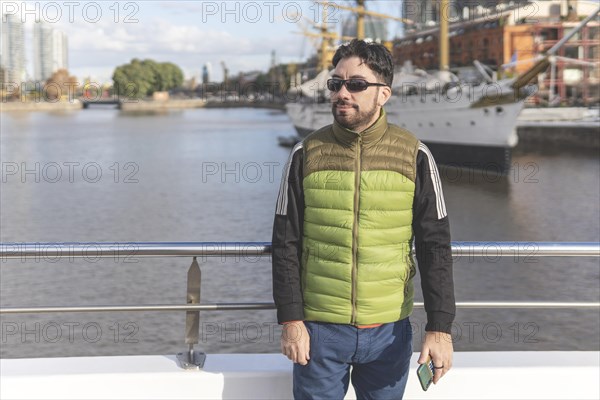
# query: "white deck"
476, 375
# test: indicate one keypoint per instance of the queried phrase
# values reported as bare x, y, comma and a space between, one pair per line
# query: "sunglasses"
352, 85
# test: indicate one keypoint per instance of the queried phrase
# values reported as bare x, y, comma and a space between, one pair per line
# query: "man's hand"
438, 345
295, 342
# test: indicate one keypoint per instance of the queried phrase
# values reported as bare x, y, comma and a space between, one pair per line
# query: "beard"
357, 120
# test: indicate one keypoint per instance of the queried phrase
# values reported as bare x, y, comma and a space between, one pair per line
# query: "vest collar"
370, 135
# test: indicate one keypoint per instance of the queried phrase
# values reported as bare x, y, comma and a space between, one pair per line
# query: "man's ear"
385, 93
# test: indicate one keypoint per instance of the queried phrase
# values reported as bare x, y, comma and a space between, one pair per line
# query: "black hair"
377, 57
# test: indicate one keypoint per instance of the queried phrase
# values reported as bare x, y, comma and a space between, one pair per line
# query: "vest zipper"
355, 227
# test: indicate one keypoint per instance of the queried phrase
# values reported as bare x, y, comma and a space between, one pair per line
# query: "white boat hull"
475, 375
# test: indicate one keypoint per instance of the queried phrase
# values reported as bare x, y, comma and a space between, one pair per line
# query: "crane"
361, 11
327, 48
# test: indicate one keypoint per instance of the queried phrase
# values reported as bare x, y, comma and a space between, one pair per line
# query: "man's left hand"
438, 345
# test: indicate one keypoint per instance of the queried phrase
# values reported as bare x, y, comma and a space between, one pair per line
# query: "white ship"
464, 126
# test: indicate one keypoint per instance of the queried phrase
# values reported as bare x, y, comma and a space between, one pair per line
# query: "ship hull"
490, 160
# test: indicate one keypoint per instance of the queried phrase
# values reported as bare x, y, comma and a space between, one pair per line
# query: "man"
354, 197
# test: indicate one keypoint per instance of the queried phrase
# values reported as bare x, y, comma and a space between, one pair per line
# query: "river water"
100, 175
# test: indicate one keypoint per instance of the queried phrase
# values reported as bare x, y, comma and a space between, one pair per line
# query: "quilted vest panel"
357, 267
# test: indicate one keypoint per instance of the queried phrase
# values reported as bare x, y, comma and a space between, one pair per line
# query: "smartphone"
425, 374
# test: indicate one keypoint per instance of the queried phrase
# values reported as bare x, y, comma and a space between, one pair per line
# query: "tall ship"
465, 125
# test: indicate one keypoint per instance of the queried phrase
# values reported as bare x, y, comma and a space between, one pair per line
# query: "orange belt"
368, 326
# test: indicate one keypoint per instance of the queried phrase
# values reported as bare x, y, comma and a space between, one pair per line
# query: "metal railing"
210, 249
193, 359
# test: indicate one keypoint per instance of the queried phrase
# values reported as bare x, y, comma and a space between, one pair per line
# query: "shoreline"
547, 128
139, 105
151, 105
33, 106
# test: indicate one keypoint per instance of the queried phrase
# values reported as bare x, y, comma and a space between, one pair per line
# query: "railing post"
192, 359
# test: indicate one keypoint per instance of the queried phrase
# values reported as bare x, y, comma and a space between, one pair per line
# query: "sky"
105, 34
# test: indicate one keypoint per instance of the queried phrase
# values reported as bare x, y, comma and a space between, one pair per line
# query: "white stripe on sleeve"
282, 198
437, 184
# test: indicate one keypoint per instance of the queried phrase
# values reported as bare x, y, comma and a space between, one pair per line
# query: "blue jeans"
380, 360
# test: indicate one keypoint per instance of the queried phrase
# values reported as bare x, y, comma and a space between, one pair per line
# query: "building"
12, 58
422, 13
508, 38
567, 79
206, 68
375, 28
50, 51
426, 13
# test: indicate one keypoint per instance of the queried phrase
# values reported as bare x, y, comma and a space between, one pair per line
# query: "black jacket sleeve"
432, 244
287, 241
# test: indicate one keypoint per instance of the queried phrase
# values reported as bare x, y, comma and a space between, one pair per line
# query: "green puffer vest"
357, 266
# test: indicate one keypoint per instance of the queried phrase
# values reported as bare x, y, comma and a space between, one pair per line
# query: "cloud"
172, 32
171, 38
180, 32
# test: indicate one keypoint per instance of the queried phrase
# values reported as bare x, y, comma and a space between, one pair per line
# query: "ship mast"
444, 46
324, 42
360, 20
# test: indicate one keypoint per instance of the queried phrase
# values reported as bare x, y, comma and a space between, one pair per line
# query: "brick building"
513, 37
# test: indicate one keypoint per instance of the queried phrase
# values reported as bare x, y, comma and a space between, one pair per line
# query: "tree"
134, 80
142, 78
171, 75
60, 84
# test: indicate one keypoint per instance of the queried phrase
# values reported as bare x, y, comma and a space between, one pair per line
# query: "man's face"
357, 110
